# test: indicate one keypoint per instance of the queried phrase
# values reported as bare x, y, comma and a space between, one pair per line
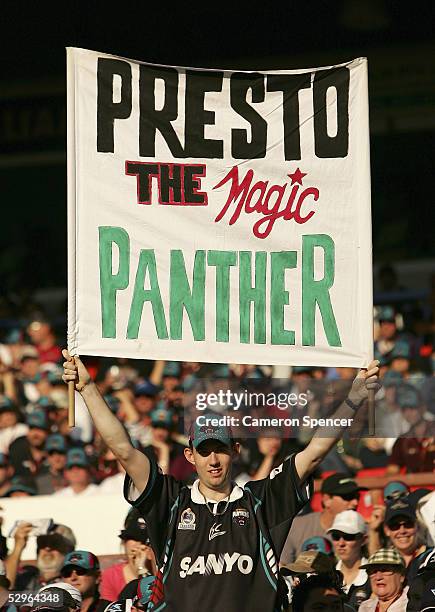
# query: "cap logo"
206, 429
345, 480
398, 504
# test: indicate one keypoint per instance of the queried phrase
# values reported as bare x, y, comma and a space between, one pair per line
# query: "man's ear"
188, 453
236, 449
326, 500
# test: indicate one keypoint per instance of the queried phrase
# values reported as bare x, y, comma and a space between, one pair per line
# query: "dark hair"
320, 581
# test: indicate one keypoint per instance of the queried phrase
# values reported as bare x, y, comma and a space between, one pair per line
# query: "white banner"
219, 216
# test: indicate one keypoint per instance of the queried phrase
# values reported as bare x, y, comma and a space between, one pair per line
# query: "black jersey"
219, 556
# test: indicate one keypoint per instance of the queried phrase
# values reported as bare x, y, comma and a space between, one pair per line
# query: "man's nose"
213, 458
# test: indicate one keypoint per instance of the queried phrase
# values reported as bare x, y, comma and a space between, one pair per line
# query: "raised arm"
324, 439
136, 464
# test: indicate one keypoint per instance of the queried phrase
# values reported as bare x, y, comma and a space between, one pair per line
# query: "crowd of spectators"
371, 559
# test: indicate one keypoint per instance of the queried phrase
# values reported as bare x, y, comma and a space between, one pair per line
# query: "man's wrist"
86, 387
354, 402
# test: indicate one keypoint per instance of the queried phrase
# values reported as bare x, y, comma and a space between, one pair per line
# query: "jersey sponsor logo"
276, 471
215, 531
241, 516
187, 520
216, 564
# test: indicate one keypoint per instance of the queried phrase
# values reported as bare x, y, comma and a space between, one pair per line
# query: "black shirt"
222, 556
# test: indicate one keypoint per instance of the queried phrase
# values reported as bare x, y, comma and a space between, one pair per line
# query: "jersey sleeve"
279, 498
156, 503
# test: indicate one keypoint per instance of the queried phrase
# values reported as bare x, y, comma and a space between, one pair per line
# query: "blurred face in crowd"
144, 404
269, 445
86, 581
161, 434
212, 461
402, 532
30, 367
49, 560
56, 461
336, 504
77, 475
39, 331
347, 547
386, 581
36, 437
134, 548
387, 330
412, 415
323, 599
8, 418
400, 364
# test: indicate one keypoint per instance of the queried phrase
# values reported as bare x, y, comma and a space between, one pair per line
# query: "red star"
297, 176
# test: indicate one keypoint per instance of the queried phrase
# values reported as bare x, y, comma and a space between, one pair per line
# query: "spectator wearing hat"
59, 597
10, 427
386, 571
401, 528
27, 453
414, 450
78, 475
145, 398
28, 376
339, 493
165, 448
81, 569
51, 550
307, 563
319, 592
21, 486
320, 544
348, 533
6, 472
394, 490
51, 477
140, 560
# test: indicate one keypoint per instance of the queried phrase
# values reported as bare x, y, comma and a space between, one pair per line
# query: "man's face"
161, 434
213, 461
400, 364
36, 437
30, 367
77, 475
85, 581
56, 461
345, 549
402, 532
49, 560
412, 415
8, 418
39, 331
323, 599
144, 404
336, 503
386, 581
387, 329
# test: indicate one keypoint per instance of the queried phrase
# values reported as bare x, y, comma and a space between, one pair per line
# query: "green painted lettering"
222, 260
279, 297
256, 294
182, 297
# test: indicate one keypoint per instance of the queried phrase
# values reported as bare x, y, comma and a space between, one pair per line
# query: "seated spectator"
61, 593
414, 450
78, 475
394, 490
402, 529
320, 544
51, 477
10, 428
319, 592
21, 486
307, 563
145, 397
348, 533
139, 561
51, 551
339, 493
386, 570
81, 569
27, 453
6, 472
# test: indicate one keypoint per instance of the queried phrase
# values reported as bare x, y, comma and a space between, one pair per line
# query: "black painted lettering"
241, 146
325, 145
107, 109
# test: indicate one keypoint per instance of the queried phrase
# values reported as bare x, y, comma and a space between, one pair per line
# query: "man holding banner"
216, 543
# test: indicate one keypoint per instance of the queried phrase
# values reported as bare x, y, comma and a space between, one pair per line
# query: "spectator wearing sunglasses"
386, 570
348, 534
339, 493
81, 569
402, 529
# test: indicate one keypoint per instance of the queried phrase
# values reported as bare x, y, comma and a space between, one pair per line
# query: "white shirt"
113, 484
360, 579
369, 605
91, 489
9, 434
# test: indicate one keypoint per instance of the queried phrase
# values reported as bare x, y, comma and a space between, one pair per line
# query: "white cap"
349, 521
72, 590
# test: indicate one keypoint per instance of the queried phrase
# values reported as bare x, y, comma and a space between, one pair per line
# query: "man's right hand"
21, 535
74, 370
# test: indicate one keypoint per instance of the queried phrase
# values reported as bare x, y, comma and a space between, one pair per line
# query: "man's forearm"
106, 422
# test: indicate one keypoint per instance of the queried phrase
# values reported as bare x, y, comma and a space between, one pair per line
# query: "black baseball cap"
399, 507
340, 484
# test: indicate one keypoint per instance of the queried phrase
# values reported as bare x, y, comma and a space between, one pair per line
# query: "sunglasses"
348, 537
386, 570
68, 571
396, 525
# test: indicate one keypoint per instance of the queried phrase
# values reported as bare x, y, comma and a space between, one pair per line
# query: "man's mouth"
215, 471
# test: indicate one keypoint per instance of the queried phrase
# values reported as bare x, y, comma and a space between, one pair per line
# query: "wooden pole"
71, 404
371, 412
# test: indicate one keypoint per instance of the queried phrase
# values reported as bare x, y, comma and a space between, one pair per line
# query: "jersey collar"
198, 498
